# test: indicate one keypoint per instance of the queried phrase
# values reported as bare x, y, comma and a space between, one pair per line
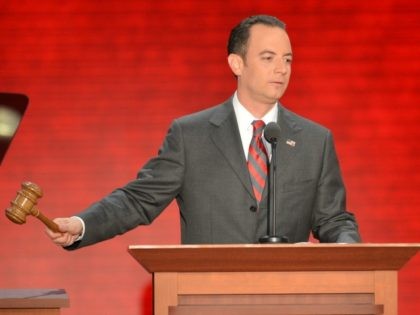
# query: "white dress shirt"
245, 119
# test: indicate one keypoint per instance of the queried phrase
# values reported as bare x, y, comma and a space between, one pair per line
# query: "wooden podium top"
276, 257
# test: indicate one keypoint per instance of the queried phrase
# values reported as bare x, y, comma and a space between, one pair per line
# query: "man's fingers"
65, 240
69, 231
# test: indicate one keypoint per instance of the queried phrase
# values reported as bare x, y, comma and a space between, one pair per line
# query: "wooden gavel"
25, 204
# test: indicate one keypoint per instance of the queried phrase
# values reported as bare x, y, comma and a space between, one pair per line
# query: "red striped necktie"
257, 160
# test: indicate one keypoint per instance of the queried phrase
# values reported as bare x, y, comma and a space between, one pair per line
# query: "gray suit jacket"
202, 164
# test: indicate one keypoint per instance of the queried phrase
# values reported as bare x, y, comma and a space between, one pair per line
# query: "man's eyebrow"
267, 51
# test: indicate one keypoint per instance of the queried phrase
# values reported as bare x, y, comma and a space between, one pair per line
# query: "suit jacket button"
253, 208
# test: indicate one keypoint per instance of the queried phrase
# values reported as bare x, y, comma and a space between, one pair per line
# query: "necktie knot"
258, 126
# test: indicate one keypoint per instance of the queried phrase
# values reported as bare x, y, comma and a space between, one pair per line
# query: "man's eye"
268, 58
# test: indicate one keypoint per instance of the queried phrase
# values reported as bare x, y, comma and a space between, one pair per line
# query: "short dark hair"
239, 35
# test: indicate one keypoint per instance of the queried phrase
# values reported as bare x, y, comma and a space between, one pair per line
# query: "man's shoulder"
206, 115
301, 122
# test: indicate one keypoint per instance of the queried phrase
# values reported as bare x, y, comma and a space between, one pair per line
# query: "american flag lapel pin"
291, 142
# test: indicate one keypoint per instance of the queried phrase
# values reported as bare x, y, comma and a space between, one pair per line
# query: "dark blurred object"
12, 108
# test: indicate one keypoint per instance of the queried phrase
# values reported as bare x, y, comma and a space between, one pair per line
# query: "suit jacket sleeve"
141, 200
331, 222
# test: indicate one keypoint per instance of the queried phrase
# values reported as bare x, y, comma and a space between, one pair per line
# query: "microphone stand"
271, 215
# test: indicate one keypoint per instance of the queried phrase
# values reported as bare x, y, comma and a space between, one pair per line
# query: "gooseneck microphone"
272, 134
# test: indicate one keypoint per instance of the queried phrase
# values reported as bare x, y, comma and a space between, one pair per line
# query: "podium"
32, 301
275, 279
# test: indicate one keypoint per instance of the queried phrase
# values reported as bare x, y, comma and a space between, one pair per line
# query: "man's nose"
281, 67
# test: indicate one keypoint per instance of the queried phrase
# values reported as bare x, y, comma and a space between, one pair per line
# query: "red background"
105, 79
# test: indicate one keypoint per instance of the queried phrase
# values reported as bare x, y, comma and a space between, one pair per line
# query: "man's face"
263, 75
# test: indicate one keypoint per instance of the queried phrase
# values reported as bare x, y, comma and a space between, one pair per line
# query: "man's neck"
256, 108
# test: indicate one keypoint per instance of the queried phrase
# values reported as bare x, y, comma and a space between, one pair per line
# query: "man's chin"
276, 96
277, 93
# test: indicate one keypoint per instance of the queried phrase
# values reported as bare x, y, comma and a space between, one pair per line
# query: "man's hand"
70, 228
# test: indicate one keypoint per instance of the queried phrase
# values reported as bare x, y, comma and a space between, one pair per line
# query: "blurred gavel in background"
25, 204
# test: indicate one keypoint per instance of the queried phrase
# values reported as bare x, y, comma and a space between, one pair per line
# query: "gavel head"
25, 203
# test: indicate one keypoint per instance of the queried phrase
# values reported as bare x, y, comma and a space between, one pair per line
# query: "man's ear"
236, 64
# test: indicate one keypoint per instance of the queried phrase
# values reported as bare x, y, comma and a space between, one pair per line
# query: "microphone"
272, 133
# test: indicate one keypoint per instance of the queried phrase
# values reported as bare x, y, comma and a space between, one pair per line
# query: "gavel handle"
50, 224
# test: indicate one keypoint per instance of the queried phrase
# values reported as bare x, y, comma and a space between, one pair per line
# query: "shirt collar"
245, 118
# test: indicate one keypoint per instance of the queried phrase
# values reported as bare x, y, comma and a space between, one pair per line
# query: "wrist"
82, 232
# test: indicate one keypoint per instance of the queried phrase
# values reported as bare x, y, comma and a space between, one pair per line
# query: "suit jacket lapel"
227, 139
289, 137
286, 146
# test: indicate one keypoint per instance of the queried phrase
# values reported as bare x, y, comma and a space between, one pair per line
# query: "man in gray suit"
203, 163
